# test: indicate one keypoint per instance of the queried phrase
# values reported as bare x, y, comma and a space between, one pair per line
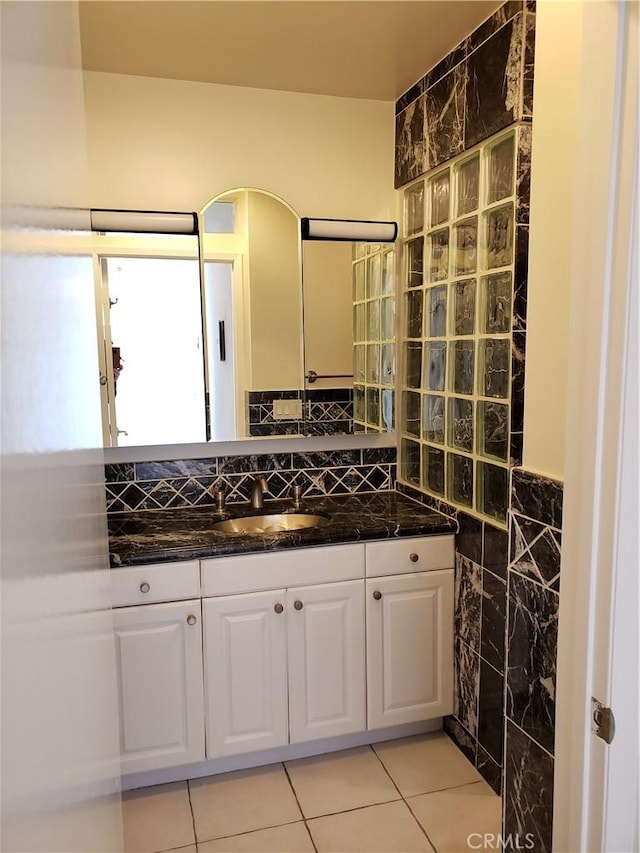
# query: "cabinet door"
325, 626
159, 660
245, 672
409, 648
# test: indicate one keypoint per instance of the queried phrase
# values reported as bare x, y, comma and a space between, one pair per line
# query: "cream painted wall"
553, 172
171, 144
275, 298
328, 311
60, 727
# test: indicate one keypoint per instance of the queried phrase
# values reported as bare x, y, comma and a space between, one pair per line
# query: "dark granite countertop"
155, 536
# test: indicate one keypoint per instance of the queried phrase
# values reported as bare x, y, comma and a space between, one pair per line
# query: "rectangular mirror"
243, 331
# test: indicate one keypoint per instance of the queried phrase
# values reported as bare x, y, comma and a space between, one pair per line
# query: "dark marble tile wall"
326, 411
506, 626
192, 482
260, 414
482, 86
482, 556
532, 635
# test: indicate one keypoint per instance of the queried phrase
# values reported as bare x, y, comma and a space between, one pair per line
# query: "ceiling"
349, 48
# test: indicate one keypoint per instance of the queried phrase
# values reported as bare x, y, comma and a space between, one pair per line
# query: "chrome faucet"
258, 491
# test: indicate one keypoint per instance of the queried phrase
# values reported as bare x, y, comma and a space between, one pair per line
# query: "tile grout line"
304, 817
193, 817
422, 829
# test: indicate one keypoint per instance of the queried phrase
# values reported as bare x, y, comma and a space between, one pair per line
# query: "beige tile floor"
415, 794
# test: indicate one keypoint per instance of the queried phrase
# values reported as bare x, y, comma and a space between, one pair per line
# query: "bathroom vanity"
236, 650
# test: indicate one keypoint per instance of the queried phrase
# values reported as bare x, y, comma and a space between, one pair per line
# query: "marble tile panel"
521, 276
326, 459
250, 464
493, 23
176, 468
461, 737
266, 398
444, 120
528, 791
494, 617
491, 711
411, 94
450, 61
528, 71
489, 770
378, 455
328, 395
531, 658
466, 678
496, 550
119, 473
537, 497
277, 428
535, 551
410, 156
518, 355
523, 174
469, 538
494, 83
468, 601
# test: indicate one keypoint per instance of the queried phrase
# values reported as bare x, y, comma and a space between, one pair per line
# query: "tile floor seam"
193, 817
448, 788
403, 798
248, 831
426, 834
304, 817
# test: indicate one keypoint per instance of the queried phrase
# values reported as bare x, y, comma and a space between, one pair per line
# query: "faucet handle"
219, 497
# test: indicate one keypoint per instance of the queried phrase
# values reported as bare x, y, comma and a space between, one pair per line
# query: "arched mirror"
253, 315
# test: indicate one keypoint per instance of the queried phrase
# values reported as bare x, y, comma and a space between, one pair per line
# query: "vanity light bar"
348, 229
144, 221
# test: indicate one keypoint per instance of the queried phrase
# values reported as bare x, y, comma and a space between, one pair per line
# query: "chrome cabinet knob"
278, 607
298, 605
414, 558
377, 595
144, 587
191, 619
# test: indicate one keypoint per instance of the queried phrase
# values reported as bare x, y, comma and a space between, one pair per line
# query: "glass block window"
374, 329
457, 305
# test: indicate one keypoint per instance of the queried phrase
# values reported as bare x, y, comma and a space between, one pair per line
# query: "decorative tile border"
193, 482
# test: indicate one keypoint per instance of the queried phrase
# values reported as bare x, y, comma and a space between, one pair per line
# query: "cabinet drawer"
165, 582
399, 556
298, 567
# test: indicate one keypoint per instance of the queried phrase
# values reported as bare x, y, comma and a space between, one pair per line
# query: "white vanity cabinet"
245, 652
159, 665
326, 646
278, 648
285, 665
409, 630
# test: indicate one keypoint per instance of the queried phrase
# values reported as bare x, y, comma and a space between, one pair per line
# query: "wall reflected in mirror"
245, 331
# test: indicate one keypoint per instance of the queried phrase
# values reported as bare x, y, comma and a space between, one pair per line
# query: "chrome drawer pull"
298, 605
377, 595
414, 558
278, 608
191, 619
144, 587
